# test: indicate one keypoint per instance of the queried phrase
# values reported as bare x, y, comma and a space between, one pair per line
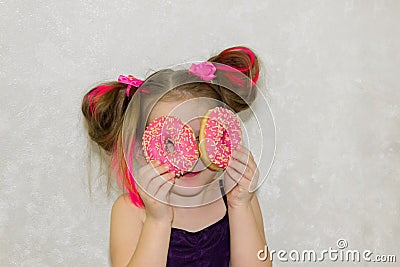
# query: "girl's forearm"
148, 251
246, 239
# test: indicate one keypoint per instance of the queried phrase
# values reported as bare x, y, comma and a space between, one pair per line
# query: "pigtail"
243, 60
104, 108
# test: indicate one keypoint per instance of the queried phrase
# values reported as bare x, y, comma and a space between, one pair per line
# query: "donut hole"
225, 136
170, 146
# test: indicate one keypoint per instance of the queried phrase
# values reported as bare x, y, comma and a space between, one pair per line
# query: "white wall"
331, 68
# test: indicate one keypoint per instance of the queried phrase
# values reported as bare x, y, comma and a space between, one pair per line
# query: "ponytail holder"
204, 70
130, 80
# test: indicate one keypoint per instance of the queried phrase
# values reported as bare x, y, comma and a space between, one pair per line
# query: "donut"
171, 141
220, 134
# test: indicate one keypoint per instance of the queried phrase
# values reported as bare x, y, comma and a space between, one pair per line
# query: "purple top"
209, 247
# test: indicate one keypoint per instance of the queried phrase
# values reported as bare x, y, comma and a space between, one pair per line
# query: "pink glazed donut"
220, 134
171, 141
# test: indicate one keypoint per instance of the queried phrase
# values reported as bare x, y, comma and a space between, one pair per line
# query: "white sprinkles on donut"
166, 130
220, 133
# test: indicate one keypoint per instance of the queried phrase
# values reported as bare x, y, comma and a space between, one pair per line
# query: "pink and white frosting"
220, 135
171, 141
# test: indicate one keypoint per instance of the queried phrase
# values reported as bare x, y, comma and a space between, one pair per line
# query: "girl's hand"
243, 170
156, 182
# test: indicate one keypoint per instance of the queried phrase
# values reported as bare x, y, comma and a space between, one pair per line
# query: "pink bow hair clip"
204, 70
130, 80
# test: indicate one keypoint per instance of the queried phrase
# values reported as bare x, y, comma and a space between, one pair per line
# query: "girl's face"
190, 112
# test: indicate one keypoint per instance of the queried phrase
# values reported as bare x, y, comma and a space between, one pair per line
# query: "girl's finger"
146, 168
164, 190
242, 154
157, 182
229, 182
160, 169
244, 183
234, 175
152, 173
241, 168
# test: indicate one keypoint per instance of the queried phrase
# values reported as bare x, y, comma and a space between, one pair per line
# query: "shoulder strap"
226, 201
221, 187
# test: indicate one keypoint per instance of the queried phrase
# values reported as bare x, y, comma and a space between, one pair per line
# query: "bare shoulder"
258, 214
125, 228
124, 206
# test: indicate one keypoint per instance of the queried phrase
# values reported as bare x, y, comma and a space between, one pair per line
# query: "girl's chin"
192, 183
186, 192
191, 180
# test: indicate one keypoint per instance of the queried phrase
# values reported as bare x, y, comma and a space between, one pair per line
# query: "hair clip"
204, 70
130, 80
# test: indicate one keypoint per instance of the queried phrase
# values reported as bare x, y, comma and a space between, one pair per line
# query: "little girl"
146, 231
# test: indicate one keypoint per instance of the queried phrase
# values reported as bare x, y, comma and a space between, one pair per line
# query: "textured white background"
331, 68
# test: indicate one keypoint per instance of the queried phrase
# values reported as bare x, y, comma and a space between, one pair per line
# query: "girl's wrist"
243, 207
242, 204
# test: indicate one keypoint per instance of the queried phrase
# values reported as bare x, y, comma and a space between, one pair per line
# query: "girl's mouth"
190, 174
